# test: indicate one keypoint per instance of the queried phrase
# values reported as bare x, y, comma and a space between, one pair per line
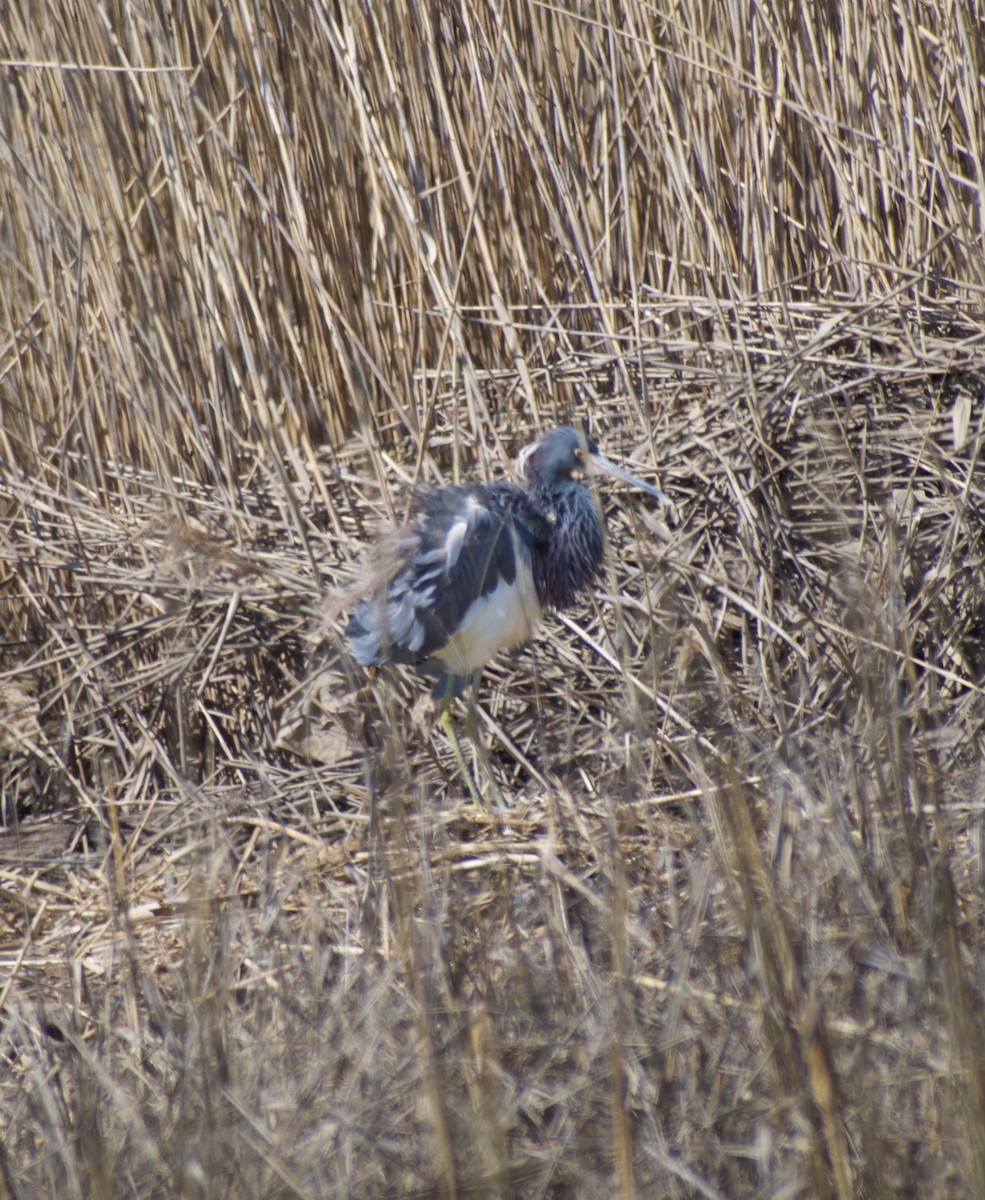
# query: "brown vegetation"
264, 267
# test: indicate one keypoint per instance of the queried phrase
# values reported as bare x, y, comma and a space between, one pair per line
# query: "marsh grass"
265, 267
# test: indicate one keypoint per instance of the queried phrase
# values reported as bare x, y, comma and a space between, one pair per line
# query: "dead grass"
267, 266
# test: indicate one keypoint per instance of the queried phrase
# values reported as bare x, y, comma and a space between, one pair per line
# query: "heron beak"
598, 462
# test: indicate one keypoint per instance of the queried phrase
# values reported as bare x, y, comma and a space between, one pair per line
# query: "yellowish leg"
473, 730
448, 729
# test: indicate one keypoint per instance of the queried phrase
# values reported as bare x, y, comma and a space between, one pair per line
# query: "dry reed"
265, 267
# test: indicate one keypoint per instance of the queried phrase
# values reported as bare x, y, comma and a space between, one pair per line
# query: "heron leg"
447, 726
473, 730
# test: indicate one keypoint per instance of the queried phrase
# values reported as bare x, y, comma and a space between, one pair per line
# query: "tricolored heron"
476, 566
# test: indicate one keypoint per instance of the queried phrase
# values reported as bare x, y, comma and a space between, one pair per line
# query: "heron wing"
460, 543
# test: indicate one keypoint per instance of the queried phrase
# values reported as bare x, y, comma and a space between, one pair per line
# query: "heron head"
566, 451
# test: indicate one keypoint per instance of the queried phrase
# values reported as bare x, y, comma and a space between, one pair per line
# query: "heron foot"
447, 726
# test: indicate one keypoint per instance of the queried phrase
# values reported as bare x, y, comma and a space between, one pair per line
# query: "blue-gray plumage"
476, 566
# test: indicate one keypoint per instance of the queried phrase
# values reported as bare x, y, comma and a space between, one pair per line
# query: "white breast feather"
501, 619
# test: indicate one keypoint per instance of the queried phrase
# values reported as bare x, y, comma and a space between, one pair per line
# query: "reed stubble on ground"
264, 268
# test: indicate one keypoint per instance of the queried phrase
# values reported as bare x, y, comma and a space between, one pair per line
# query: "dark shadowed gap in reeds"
267, 266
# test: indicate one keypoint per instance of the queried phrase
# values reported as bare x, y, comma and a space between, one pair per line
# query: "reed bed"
267, 268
